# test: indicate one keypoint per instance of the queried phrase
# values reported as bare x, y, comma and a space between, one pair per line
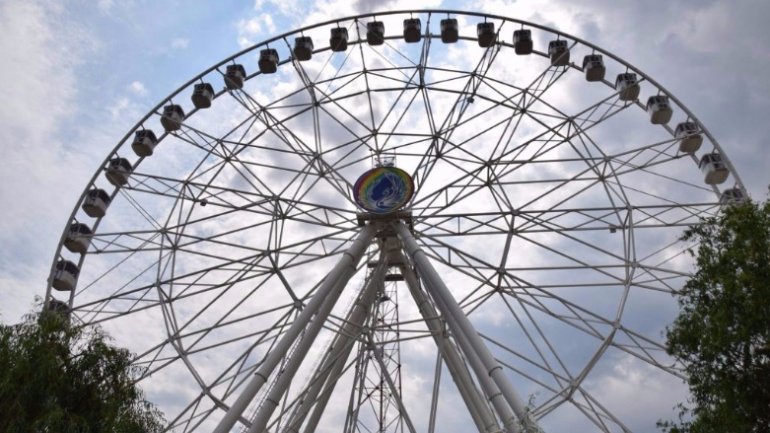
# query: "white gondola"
338, 41
593, 66
96, 203
375, 33
65, 275
412, 30
713, 168
732, 196
449, 31
172, 117
78, 238
485, 32
268, 61
58, 308
689, 137
203, 94
558, 51
627, 86
659, 109
118, 170
144, 142
522, 41
235, 75
303, 48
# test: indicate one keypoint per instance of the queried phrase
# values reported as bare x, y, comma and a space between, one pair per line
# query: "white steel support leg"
325, 395
320, 406
336, 278
460, 324
280, 386
491, 390
340, 348
482, 415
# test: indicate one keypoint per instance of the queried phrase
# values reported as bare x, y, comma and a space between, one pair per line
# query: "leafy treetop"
55, 377
722, 335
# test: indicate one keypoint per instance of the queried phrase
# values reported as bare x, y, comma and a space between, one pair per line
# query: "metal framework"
533, 266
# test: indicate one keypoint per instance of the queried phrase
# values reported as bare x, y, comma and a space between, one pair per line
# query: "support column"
281, 384
325, 395
460, 324
331, 287
491, 390
339, 350
485, 420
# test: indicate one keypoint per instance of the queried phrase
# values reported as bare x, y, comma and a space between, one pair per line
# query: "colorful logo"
383, 189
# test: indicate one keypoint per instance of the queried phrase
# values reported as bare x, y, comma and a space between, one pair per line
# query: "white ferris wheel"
409, 221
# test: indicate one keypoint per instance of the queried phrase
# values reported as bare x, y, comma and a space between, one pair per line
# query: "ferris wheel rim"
265, 42
155, 110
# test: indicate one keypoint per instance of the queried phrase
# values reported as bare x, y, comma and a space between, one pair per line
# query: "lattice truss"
551, 209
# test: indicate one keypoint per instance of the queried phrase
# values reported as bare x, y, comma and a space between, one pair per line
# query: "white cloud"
283, 6
180, 43
105, 5
42, 172
113, 10
137, 88
250, 31
119, 107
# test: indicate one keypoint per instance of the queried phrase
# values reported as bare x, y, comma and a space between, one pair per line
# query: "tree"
55, 377
722, 334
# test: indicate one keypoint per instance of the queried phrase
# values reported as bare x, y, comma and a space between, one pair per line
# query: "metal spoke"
543, 235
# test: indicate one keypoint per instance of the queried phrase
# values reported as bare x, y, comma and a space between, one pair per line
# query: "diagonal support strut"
470, 342
331, 287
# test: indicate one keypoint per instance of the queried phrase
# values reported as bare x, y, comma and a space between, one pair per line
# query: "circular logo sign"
383, 189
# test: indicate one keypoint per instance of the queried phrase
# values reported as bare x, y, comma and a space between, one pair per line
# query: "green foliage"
55, 377
722, 335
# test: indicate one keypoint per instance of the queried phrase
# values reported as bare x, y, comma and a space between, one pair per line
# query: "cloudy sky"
77, 76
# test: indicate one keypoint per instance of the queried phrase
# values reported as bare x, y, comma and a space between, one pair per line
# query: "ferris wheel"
409, 221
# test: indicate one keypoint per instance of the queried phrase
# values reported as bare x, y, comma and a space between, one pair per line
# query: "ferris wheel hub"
383, 190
